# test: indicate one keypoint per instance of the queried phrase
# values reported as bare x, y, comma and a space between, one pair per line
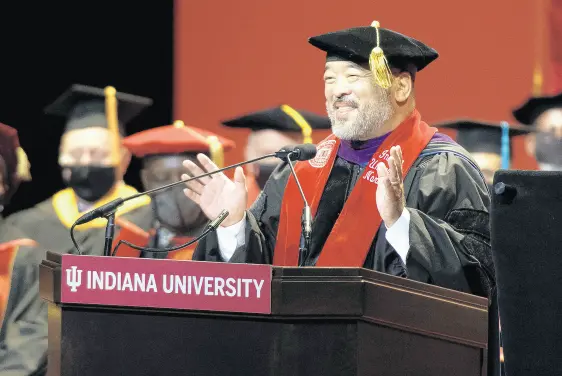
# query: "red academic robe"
8, 251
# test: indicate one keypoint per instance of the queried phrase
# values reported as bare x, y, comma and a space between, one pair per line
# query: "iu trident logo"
73, 278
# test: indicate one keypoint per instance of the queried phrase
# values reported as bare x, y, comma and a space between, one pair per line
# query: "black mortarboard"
84, 107
480, 136
531, 110
282, 118
372, 44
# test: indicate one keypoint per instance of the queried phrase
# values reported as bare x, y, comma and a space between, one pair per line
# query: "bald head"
546, 144
265, 142
269, 141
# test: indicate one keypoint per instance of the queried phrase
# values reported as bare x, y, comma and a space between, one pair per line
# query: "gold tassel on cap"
23, 165
179, 124
537, 81
306, 129
113, 124
216, 150
378, 63
542, 9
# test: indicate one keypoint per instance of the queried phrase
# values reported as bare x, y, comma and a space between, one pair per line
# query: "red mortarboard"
178, 138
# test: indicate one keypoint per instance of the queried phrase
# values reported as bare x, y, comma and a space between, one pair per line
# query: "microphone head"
303, 152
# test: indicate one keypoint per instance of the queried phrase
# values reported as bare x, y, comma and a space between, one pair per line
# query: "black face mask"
176, 212
91, 183
264, 172
549, 151
167, 209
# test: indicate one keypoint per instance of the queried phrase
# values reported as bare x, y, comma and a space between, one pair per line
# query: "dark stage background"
47, 46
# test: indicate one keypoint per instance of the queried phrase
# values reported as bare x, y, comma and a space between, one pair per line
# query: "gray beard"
369, 119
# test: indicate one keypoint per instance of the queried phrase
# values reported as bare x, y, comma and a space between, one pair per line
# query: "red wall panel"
238, 56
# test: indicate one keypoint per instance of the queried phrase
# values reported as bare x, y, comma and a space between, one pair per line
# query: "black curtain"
47, 46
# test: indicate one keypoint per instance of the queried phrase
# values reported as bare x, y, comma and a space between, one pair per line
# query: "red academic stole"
135, 235
8, 253
358, 223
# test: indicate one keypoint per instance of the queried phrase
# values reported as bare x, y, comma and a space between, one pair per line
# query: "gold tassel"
542, 8
537, 81
306, 129
23, 165
379, 64
113, 124
216, 150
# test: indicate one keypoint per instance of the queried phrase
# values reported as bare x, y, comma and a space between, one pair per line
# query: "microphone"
306, 152
215, 223
102, 211
302, 152
296, 153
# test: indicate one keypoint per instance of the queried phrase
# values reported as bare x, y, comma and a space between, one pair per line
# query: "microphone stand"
108, 210
109, 233
306, 221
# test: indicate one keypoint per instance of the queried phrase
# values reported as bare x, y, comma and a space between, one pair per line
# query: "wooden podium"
319, 321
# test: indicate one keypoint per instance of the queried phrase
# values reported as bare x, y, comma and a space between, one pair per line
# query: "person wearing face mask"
272, 129
93, 163
23, 335
387, 191
545, 114
486, 143
171, 220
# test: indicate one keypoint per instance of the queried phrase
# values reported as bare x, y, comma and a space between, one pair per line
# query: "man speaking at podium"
386, 191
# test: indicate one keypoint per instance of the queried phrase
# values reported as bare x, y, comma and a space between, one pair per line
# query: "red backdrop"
237, 56
554, 25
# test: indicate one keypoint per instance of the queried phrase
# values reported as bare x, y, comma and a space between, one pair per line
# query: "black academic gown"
24, 331
49, 222
449, 222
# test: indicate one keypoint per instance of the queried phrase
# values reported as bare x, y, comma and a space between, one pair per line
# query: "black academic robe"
24, 331
449, 229
49, 222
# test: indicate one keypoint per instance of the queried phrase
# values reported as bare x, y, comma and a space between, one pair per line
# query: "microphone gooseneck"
306, 219
211, 226
294, 153
111, 206
297, 153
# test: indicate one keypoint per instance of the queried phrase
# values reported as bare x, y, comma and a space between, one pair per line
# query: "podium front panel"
110, 343
315, 321
406, 353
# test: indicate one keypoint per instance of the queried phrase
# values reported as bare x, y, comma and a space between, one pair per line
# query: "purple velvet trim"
443, 137
360, 152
